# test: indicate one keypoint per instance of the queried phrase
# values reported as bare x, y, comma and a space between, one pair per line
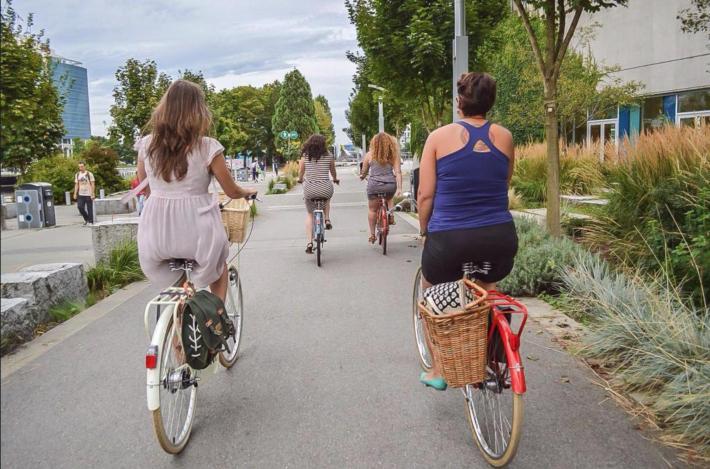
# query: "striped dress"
317, 183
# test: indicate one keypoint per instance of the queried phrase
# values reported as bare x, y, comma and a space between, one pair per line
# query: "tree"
585, 86
140, 87
407, 49
31, 108
549, 56
199, 79
324, 119
294, 110
697, 18
103, 162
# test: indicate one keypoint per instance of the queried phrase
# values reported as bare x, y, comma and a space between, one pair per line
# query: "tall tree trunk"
553, 161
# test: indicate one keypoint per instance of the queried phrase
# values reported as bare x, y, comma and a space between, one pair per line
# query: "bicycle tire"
235, 300
423, 351
319, 243
487, 392
169, 443
384, 221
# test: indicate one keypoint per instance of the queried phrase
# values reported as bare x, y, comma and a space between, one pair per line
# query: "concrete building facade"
646, 42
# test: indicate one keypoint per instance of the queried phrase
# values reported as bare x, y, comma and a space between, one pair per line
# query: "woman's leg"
435, 371
309, 227
372, 206
219, 287
327, 210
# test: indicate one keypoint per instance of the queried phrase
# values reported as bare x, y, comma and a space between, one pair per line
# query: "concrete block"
16, 319
41, 287
113, 206
10, 210
108, 235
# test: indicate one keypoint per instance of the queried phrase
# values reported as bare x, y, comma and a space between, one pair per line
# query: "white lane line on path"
42, 344
301, 206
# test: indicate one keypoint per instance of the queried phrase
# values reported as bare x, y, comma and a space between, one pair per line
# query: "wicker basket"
235, 217
459, 339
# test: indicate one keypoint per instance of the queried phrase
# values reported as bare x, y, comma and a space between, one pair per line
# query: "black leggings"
491, 248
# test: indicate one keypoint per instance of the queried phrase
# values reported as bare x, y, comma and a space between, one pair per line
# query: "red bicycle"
495, 405
382, 225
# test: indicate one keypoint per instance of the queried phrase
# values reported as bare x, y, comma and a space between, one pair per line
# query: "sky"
237, 42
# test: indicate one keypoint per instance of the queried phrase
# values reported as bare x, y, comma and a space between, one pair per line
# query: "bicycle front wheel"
419, 332
235, 310
172, 420
495, 412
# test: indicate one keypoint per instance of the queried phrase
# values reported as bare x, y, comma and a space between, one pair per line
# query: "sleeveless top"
317, 182
381, 178
471, 186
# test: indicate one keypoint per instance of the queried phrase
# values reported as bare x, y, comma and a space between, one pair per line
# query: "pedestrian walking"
84, 193
254, 170
276, 166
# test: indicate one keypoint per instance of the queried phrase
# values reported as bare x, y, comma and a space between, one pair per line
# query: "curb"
34, 349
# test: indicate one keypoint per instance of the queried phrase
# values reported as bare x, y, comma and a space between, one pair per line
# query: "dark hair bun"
477, 93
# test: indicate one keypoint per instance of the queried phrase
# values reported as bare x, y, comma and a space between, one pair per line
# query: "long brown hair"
315, 147
384, 149
178, 123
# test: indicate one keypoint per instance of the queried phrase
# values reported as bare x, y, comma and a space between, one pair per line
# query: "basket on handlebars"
235, 218
459, 339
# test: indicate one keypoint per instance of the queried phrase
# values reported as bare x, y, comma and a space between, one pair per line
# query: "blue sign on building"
72, 83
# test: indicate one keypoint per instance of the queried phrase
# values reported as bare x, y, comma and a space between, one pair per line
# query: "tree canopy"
294, 110
324, 119
31, 126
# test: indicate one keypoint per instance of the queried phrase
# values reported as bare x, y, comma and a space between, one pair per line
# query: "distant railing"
127, 171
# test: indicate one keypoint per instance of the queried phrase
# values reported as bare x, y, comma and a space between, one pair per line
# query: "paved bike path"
327, 378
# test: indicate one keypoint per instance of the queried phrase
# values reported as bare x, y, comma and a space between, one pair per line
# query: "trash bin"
45, 200
29, 210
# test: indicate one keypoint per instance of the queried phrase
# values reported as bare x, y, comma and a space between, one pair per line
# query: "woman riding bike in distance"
464, 175
315, 166
383, 165
181, 219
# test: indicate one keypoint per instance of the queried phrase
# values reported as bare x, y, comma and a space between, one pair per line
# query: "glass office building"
72, 82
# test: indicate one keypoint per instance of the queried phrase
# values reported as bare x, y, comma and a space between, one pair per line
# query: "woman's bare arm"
365, 166
142, 175
301, 169
427, 183
397, 168
503, 139
218, 167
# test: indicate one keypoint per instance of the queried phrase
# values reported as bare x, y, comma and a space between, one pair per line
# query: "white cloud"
232, 42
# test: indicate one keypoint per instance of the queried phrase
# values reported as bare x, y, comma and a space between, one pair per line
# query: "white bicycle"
171, 383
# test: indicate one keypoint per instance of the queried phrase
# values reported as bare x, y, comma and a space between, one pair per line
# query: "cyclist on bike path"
181, 219
383, 165
464, 175
315, 166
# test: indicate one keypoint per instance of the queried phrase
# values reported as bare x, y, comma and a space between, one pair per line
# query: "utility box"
45, 200
29, 209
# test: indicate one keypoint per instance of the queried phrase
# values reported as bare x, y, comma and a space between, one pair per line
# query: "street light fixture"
380, 110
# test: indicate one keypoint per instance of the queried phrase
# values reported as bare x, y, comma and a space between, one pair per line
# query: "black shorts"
491, 248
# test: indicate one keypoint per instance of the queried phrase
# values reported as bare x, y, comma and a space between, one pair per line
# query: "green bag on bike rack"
206, 326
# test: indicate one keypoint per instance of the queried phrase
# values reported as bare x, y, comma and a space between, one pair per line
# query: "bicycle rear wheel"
235, 309
419, 332
172, 420
495, 412
384, 223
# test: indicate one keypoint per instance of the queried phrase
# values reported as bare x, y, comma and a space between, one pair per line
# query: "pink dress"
181, 220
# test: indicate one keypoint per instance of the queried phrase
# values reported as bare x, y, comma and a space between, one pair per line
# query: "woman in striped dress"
315, 166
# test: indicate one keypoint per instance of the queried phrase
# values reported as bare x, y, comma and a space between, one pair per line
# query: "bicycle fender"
512, 355
153, 375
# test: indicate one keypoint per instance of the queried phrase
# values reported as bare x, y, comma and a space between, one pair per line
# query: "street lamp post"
380, 107
460, 48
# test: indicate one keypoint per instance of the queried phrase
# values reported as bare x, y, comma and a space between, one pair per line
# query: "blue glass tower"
71, 81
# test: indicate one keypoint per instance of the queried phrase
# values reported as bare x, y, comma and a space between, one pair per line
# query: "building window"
653, 115
694, 101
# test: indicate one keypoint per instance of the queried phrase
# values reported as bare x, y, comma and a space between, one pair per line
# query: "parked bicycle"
171, 382
494, 406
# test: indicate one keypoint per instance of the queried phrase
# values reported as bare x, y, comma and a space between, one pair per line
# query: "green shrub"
121, 268
539, 262
65, 310
58, 170
647, 332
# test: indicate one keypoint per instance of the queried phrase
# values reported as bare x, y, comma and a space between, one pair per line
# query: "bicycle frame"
500, 306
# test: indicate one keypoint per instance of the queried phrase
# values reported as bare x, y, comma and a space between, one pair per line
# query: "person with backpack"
84, 193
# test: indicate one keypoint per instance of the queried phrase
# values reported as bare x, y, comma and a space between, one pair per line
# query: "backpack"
206, 326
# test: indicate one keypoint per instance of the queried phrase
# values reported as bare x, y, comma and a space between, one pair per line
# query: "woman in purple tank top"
464, 176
